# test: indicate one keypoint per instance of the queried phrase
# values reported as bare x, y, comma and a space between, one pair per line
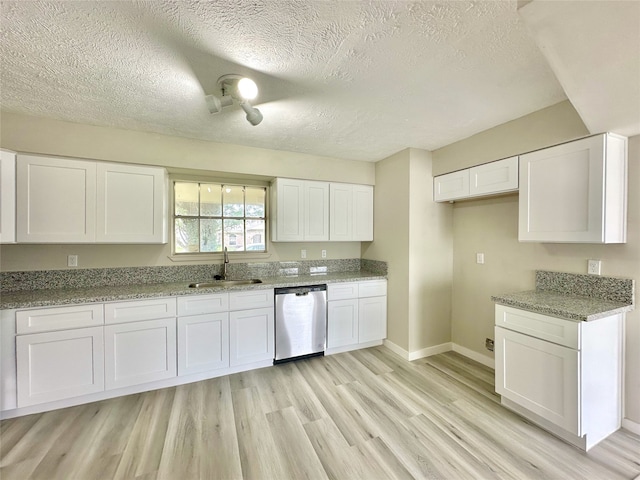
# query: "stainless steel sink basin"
224, 283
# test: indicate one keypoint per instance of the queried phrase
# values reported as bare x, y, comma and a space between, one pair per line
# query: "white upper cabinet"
495, 177
62, 200
131, 204
575, 192
56, 200
316, 211
7, 196
451, 186
287, 212
491, 178
308, 211
350, 212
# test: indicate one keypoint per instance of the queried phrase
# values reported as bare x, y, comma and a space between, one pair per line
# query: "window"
208, 217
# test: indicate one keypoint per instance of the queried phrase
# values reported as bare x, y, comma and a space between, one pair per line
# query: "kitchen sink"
224, 283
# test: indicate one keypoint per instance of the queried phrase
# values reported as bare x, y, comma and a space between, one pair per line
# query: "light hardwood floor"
362, 415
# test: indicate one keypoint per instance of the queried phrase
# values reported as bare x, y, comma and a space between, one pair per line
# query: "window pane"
233, 201
210, 200
210, 235
186, 199
234, 235
186, 233
254, 200
255, 235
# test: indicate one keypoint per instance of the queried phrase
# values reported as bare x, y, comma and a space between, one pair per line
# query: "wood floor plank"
294, 446
258, 455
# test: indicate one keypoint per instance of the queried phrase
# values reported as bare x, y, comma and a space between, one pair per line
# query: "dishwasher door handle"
301, 294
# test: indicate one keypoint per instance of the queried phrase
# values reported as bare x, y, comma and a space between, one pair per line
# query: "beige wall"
45, 136
490, 226
551, 125
413, 234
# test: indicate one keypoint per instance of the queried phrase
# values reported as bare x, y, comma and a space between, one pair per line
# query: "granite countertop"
569, 307
574, 297
69, 296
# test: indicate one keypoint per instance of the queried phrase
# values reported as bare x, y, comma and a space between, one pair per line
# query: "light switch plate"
594, 267
480, 258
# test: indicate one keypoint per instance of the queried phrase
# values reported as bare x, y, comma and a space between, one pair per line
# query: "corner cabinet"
491, 178
7, 196
63, 200
575, 192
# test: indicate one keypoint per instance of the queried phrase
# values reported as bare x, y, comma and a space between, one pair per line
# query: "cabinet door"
451, 186
495, 177
342, 323
362, 213
56, 200
572, 193
203, 343
57, 365
288, 221
131, 204
372, 319
341, 212
251, 336
139, 352
540, 376
7, 196
316, 211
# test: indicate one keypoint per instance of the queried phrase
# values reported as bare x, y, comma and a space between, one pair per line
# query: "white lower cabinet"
356, 314
59, 365
251, 336
203, 343
342, 323
561, 374
139, 352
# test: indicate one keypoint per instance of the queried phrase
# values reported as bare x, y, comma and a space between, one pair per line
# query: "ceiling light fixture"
239, 88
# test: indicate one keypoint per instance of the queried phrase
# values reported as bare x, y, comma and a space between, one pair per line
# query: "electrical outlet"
594, 267
324, 254
488, 344
480, 258
72, 260
303, 253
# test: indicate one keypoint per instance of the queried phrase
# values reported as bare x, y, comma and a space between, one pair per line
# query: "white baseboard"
436, 349
630, 425
473, 355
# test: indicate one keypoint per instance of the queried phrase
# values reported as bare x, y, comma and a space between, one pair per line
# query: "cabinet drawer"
342, 291
200, 304
250, 299
375, 288
58, 318
552, 329
123, 312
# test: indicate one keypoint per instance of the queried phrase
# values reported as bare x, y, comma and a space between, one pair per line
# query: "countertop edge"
62, 297
561, 313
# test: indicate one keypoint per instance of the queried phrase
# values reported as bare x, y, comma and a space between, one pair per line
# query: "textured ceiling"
347, 79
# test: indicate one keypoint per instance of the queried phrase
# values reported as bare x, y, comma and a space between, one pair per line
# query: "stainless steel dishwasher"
301, 322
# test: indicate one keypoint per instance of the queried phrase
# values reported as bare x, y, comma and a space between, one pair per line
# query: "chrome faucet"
226, 262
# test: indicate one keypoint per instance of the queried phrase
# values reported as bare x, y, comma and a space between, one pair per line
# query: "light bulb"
247, 88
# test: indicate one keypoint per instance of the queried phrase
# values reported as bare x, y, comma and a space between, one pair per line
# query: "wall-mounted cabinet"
350, 212
309, 211
62, 200
491, 178
7, 196
575, 192
299, 211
